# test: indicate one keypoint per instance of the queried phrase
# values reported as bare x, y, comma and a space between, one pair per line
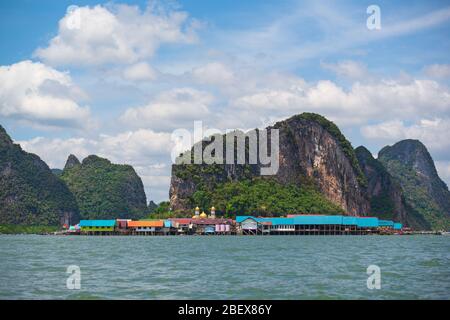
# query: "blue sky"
119, 82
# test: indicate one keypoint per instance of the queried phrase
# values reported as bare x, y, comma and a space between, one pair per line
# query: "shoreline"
60, 233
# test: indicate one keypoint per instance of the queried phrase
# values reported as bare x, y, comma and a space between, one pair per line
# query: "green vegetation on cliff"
381, 203
411, 165
263, 196
30, 194
104, 190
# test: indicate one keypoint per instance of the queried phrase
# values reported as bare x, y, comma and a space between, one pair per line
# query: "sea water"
224, 267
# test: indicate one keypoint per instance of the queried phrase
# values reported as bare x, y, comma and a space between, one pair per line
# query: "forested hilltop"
320, 172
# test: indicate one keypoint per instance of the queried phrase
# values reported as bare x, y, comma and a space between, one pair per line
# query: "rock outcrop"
71, 162
30, 194
311, 150
386, 195
104, 190
411, 165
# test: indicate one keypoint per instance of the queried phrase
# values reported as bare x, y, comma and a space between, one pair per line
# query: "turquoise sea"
224, 267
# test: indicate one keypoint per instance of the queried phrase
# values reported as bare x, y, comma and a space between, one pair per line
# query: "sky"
117, 78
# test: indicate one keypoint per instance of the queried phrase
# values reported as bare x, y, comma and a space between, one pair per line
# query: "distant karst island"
320, 173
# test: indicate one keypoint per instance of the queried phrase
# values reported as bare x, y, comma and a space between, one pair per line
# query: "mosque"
203, 215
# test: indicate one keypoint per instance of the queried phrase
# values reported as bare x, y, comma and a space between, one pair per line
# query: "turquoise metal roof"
240, 219
367, 222
311, 219
279, 221
362, 222
349, 221
167, 223
386, 223
297, 220
97, 223
398, 226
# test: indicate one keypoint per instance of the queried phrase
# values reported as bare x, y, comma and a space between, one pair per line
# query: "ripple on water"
34, 267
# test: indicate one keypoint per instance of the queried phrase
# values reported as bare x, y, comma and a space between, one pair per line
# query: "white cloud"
141, 71
115, 34
54, 151
443, 168
176, 108
214, 73
138, 147
41, 95
360, 103
439, 71
432, 133
156, 180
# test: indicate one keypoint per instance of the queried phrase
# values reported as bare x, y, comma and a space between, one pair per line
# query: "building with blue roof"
398, 226
314, 225
386, 223
97, 226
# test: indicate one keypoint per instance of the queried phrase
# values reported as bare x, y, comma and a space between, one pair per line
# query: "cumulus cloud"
214, 73
141, 71
115, 34
357, 105
138, 147
172, 109
41, 95
432, 132
438, 71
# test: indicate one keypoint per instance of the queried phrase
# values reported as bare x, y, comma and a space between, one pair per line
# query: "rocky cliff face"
71, 162
411, 165
104, 190
386, 195
312, 149
30, 193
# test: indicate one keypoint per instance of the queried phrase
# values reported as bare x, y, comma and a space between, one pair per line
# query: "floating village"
203, 224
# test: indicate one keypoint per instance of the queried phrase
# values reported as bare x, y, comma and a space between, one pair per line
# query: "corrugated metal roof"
97, 223
137, 224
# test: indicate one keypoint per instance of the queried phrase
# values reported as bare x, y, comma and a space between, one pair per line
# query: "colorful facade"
97, 226
202, 224
146, 226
